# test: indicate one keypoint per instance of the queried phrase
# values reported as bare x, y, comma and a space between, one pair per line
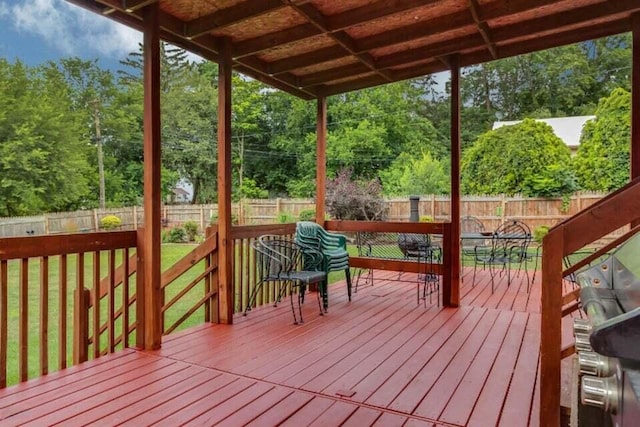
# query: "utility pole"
96, 121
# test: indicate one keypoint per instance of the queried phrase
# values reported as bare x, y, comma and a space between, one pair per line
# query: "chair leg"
323, 288
293, 310
319, 302
347, 273
473, 278
252, 297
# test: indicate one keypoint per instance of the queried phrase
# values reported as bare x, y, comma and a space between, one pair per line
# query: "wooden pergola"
313, 49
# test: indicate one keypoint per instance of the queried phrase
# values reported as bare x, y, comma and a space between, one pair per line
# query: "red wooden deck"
380, 360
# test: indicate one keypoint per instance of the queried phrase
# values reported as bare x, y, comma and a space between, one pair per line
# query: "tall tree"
526, 158
602, 160
42, 153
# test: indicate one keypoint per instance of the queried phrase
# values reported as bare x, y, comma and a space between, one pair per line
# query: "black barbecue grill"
608, 344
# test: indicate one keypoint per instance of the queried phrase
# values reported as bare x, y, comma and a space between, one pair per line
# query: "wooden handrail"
610, 213
618, 209
189, 260
603, 250
64, 244
387, 227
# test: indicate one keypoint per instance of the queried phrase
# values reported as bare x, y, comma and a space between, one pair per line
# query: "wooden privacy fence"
491, 210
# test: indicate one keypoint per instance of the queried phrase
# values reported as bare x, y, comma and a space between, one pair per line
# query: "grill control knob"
591, 363
581, 326
582, 343
600, 392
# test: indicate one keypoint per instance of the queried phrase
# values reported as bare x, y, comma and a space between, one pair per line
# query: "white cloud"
71, 29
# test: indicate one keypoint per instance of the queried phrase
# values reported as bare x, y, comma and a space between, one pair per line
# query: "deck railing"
199, 267
619, 209
449, 293
92, 281
244, 263
71, 279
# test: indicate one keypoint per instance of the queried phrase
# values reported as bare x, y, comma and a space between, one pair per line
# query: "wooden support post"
452, 297
321, 159
225, 244
152, 187
551, 327
635, 98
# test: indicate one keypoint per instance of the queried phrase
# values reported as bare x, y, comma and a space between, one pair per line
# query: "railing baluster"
125, 298
242, 283
111, 300
44, 315
96, 304
62, 312
80, 316
4, 336
23, 333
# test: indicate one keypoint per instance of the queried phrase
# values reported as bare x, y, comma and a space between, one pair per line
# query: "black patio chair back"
280, 260
471, 224
509, 244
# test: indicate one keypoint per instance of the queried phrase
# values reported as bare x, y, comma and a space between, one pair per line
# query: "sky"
35, 31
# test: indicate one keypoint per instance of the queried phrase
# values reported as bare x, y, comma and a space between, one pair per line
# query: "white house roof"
567, 129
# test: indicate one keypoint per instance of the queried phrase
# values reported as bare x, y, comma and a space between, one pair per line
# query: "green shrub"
540, 232
110, 222
285, 218
191, 229
307, 215
174, 235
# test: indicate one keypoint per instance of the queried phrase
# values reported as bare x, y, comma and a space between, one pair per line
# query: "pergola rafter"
313, 48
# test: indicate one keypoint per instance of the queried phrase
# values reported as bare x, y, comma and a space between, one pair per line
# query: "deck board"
382, 359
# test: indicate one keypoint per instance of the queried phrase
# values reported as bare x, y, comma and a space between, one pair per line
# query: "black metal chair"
509, 245
363, 243
470, 224
280, 260
420, 247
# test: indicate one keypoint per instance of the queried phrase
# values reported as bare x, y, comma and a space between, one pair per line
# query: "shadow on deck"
380, 360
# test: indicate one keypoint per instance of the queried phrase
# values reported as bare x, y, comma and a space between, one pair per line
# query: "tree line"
71, 131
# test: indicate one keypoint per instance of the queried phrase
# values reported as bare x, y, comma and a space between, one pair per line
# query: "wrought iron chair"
421, 248
363, 243
509, 245
280, 261
470, 224
333, 247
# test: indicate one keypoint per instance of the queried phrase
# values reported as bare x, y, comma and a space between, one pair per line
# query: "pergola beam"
342, 38
483, 28
131, 5
506, 50
229, 16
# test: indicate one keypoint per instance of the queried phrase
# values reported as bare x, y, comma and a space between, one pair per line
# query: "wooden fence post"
96, 222
504, 209
135, 217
